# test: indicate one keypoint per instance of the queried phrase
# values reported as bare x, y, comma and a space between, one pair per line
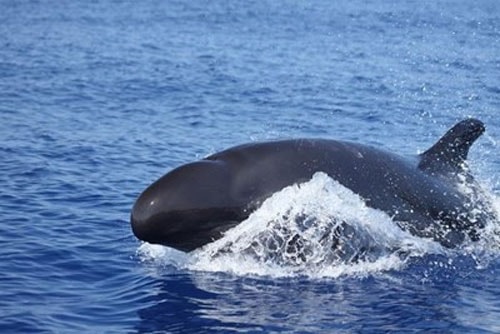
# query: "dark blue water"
100, 98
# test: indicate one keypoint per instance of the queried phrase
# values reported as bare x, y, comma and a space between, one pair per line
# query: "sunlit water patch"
320, 229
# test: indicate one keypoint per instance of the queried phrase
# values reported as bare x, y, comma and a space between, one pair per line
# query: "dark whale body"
196, 203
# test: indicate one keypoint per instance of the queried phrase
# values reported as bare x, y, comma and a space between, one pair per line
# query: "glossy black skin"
194, 204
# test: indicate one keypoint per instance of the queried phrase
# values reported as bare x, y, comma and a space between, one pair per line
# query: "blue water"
100, 98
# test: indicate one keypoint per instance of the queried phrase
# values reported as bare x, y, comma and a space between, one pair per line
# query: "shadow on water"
174, 308
188, 302
178, 305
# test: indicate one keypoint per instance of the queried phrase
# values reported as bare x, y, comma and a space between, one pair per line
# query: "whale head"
186, 208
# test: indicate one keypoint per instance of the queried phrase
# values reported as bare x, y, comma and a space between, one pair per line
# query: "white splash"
318, 229
161, 255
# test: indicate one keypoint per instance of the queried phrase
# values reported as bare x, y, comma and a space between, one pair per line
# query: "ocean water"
100, 98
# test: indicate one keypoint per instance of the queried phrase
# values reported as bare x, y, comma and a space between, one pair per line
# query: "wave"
318, 229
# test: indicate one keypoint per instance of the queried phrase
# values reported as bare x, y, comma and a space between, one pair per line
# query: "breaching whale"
196, 203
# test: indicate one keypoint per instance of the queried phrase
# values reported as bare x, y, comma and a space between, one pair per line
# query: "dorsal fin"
450, 152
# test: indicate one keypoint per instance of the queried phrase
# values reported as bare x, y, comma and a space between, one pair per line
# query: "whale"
431, 195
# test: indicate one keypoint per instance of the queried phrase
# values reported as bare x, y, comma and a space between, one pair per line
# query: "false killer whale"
196, 203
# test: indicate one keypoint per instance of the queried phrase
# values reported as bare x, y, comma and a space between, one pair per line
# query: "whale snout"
151, 217
186, 208
163, 227
143, 221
